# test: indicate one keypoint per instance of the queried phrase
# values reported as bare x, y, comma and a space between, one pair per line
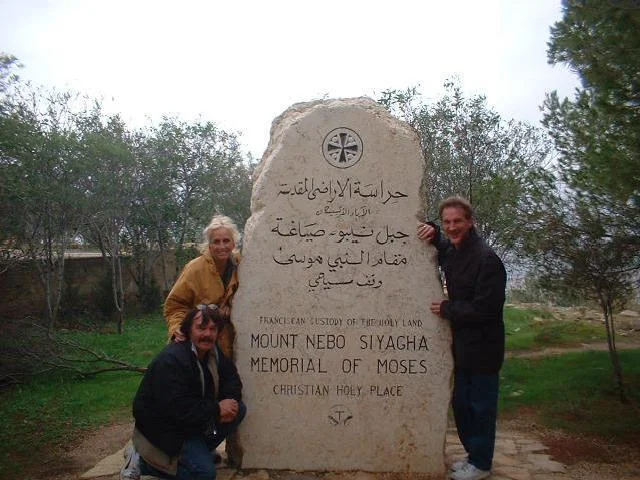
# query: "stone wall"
21, 289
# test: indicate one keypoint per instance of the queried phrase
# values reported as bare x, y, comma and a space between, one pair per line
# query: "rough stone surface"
341, 359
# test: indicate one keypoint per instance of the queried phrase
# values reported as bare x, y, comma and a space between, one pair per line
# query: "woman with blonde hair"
210, 279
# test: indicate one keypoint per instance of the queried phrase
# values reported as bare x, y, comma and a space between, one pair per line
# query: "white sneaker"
469, 472
131, 468
457, 465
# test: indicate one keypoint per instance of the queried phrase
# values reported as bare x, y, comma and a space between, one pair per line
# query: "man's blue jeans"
475, 408
196, 461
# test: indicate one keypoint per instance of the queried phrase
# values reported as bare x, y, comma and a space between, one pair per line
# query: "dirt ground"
82, 453
585, 458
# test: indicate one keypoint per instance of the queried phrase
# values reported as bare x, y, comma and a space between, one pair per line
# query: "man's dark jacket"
476, 281
172, 403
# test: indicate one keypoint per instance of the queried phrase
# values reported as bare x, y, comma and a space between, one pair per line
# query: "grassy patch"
536, 329
575, 392
48, 410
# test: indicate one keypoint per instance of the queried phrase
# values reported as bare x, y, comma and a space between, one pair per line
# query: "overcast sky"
240, 63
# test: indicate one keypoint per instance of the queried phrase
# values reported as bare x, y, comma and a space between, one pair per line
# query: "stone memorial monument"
344, 367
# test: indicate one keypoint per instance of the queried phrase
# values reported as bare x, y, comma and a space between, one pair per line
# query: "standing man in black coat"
475, 280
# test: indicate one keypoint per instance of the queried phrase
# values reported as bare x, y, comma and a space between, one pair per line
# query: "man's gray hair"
457, 202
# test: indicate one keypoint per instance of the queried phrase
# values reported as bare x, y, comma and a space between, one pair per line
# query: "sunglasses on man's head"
211, 306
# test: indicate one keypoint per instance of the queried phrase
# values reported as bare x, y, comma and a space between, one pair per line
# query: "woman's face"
221, 244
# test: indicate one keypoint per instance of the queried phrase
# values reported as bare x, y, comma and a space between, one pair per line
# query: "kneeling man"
189, 400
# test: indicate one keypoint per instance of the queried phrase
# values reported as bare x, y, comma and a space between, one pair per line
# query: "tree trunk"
163, 265
607, 308
46, 275
116, 280
60, 278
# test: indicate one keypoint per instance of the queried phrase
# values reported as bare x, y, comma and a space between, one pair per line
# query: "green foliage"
70, 171
574, 392
585, 243
201, 170
8, 78
41, 192
580, 250
598, 133
472, 152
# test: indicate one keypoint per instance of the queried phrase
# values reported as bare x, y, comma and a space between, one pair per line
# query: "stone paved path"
517, 457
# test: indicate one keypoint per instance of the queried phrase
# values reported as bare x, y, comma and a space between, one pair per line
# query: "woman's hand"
178, 336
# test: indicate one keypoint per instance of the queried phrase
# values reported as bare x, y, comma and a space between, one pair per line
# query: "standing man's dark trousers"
475, 408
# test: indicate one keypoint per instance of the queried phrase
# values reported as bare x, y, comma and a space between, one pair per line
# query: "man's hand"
228, 410
436, 308
426, 232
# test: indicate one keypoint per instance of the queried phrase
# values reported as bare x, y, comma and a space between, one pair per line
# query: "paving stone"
532, 447
225, 473
513, 473
456, 449
542, 463
500, 459
527, 441
352, 476
511, 435
452, 438
506, 446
